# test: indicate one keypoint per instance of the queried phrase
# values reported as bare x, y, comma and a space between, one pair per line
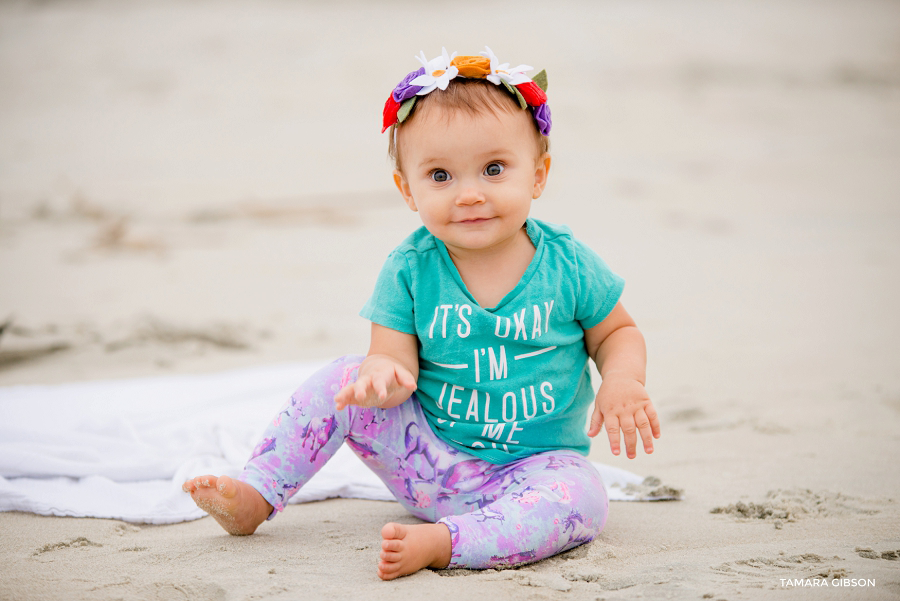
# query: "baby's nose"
470, 195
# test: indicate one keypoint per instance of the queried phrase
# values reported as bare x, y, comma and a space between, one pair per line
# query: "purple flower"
404, 91
542, 117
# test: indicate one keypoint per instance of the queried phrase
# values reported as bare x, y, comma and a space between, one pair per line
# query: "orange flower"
474, 67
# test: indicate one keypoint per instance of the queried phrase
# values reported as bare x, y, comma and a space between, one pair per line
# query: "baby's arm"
388, 375
617, 347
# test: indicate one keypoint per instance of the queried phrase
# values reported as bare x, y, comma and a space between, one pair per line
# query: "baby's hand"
382, 382
624, 405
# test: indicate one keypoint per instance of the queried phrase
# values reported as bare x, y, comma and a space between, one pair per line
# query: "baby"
471, 402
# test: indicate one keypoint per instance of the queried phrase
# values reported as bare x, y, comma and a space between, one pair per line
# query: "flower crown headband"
438, 72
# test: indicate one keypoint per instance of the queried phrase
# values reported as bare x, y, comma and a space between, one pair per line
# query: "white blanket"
121, 448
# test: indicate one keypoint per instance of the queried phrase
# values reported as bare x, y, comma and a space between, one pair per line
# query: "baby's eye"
493, 169
439, 175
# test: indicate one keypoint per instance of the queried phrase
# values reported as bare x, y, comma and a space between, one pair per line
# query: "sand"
192, 187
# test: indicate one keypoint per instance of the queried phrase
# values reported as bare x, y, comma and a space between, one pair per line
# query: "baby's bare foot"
237, 506
408, 549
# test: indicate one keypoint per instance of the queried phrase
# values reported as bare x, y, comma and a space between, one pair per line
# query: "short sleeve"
599, 288
391, 303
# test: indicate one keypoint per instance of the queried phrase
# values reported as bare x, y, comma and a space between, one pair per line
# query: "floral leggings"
498, 515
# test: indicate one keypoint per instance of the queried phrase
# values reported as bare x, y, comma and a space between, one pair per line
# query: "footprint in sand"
167, 591
123, 529
74, 543
870, 553
172, 592
805, 565
784, 506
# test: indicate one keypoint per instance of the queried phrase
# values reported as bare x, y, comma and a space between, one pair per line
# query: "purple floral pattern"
498, 515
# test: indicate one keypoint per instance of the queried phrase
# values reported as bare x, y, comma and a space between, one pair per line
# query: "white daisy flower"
502, 72
438, 72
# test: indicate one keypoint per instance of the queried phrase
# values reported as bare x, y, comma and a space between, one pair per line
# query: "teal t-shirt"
509, 381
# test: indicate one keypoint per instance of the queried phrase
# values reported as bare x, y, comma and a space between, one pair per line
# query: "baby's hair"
472, 96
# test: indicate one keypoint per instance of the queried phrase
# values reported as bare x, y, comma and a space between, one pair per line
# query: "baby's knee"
598, 511
590, 498
342, 370
326, 381
596, 507
350, 360
348, 368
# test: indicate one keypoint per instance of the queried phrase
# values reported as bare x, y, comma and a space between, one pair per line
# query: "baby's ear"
403, 186
542, 170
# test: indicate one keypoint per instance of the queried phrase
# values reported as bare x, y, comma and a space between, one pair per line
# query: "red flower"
532, 93
390, 113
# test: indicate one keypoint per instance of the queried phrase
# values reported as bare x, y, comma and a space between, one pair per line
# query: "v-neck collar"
537, 238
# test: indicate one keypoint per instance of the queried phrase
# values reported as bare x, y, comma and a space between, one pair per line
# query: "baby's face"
471, 178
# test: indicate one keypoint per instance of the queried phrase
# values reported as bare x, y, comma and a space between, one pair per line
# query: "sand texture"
192, 187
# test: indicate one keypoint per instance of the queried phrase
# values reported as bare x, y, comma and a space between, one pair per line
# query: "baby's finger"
596, 422
642, 421
650, 410
342, 398
361, 390
629, 433
405, 379
612, 431
379, 385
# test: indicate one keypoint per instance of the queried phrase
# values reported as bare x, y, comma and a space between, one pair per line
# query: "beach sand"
194, 187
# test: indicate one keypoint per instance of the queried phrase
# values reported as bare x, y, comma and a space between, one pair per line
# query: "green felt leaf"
521, 99
517, 94
541, 79
405, 109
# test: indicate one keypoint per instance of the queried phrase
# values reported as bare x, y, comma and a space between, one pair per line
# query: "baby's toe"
388, 569
227, 487
392, 544
390, 556
393, 530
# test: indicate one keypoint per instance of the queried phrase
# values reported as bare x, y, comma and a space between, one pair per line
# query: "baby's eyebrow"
432, 161
495, 153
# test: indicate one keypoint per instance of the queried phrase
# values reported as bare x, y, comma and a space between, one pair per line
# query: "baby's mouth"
474, 220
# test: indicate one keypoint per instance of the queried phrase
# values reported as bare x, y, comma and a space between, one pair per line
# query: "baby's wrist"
375, 362
617, 375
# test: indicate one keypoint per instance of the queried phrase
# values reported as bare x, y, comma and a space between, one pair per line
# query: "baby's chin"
479, 238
